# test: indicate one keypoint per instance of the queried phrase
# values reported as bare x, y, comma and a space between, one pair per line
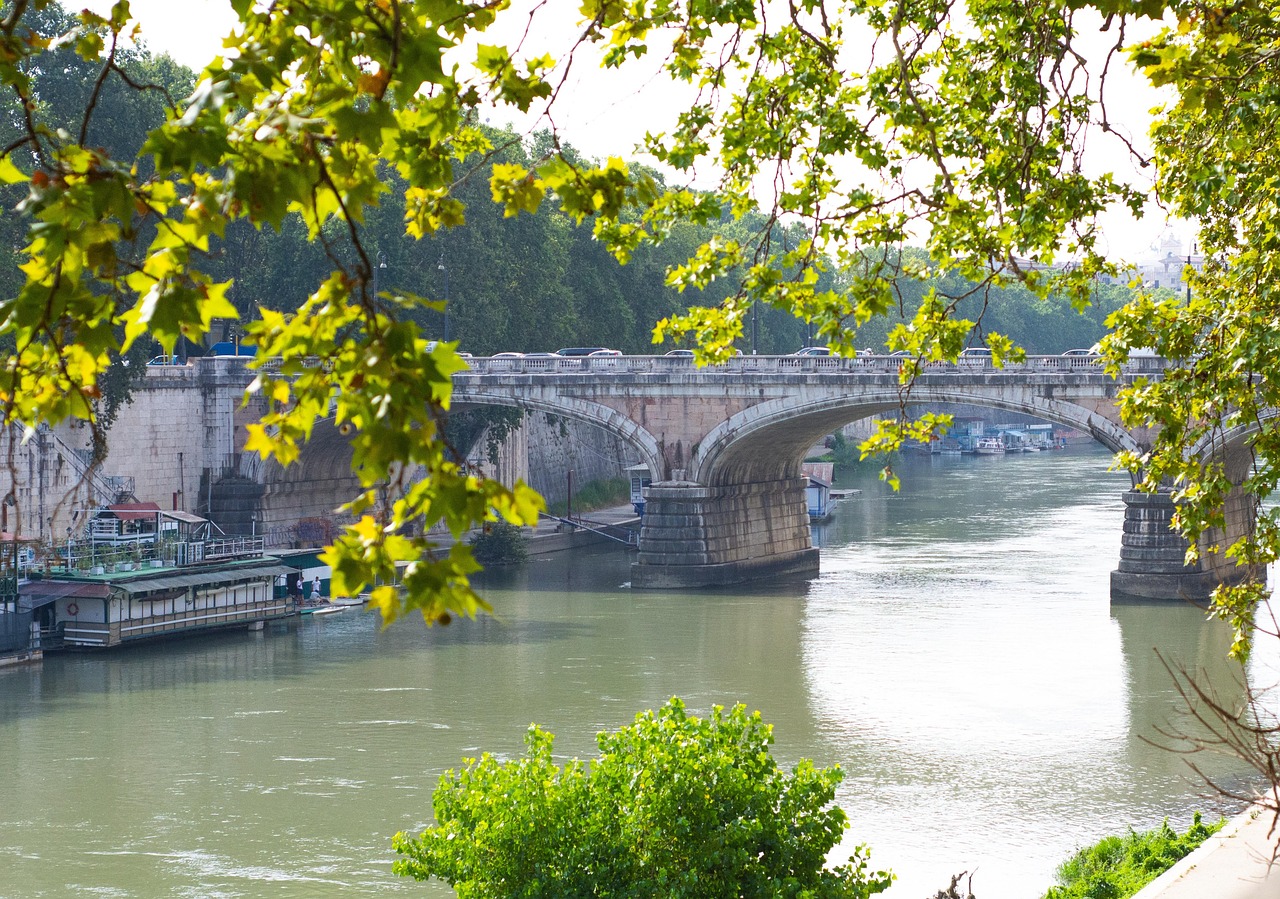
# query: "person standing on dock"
315, 589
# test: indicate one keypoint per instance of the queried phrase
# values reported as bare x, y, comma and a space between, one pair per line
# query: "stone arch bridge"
724, 443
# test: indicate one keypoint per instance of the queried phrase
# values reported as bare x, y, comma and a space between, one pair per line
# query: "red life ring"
73, 609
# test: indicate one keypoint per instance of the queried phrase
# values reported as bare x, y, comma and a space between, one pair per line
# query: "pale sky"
607, 113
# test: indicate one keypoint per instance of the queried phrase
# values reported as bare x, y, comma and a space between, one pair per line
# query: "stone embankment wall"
45, 482
559, 445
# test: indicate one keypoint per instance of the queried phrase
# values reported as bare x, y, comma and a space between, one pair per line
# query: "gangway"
598, 527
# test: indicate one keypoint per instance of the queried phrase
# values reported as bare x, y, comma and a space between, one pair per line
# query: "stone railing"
783, 365
780, 365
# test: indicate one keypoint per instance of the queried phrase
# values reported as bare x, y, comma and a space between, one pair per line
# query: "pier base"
696, 536
1153, 557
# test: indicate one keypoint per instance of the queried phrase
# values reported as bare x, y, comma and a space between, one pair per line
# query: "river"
958, 656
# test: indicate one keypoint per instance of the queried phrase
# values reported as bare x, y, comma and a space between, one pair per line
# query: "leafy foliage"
1117, 867
1218, 445
674, 806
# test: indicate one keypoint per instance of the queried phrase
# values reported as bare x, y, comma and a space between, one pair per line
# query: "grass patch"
1116, 867
602, 494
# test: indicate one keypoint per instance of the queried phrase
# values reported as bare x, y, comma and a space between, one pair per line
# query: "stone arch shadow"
314, 486
598, 414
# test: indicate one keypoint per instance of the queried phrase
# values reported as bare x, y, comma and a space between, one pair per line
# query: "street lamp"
755, 324
441, 267
382, 263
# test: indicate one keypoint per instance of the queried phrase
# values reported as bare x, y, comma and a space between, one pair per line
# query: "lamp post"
755, 325
382, 263
441, 267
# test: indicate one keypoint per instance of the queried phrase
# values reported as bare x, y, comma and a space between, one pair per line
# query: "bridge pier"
697, 536
1152, 554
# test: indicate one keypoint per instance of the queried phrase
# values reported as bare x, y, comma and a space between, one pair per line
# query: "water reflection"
958, 656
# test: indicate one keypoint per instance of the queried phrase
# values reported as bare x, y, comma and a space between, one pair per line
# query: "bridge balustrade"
796, 364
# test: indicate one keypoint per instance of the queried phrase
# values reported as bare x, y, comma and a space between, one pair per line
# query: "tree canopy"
855, 128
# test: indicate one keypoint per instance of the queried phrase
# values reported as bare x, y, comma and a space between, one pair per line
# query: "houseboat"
640, 479
818, 490
141, 572
989, 446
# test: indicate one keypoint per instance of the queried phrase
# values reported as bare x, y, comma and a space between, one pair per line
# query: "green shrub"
675, 806
499, 543
1117, 867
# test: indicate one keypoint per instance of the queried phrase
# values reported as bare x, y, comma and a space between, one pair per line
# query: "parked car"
507, 356
542, 355
606, 353
166, 360
684, 354
579, 350
813, 351
1081, 353
975, 352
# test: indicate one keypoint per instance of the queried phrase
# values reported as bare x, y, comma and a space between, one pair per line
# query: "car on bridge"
813, 351
579, 350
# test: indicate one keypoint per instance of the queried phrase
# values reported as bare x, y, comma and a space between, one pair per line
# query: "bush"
1117, 867
675, 806
500, 543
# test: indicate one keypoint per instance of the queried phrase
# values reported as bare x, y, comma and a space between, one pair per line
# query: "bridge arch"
767, 441
598, 414
306, 489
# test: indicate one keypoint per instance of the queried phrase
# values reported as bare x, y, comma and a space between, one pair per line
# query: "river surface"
958, 656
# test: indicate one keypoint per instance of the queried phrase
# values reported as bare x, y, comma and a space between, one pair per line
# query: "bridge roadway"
725, 444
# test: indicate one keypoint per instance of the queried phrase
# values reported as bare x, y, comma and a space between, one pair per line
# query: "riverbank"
1234, 863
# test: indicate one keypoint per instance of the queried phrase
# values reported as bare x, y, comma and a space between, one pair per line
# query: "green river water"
958, 656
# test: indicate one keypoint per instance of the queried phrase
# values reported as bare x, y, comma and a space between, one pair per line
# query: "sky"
608, 114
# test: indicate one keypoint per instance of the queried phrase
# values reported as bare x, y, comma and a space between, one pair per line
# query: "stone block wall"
705, 536
558, 445
45, 486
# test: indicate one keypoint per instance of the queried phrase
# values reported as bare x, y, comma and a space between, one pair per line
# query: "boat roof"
185, 517
133, 511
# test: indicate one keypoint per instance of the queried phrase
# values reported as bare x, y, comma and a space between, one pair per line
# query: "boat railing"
96, 558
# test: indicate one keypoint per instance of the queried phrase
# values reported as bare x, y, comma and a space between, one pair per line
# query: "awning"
34, 594
59, 589
204, 578
185, 517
